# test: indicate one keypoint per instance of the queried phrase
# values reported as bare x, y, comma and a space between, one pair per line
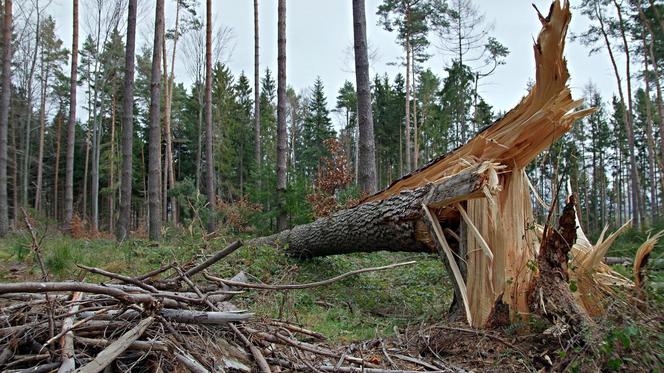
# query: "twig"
153, 273
281, 339
213, 259
255, 352
120, 277
116, 348
480, 333
298, 329
304, 286
136, 345
67, 341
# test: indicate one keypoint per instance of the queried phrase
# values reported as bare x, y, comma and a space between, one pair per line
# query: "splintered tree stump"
478, 193
551, 296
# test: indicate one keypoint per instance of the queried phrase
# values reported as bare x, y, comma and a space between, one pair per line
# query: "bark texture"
71, 125
282, 136
122, 229
393, 224
4, 114
209, 159
367, 147
154, 146
551, 296
257, 96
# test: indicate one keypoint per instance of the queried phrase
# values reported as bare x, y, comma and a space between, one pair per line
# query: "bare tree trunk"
209, 158
122, 228
650, 50
367, 147
71, 126
85, 174
28, 122
652, 171
42, 130
199, 147
56, 171
168, 99
14, 172
4, 113
627, 116
257, 99
154, 173
111, 185
282, 140
407, 151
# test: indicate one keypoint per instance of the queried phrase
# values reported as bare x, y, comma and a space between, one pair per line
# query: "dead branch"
305, 286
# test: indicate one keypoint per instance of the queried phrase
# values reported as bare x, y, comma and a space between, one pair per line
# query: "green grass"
356, 308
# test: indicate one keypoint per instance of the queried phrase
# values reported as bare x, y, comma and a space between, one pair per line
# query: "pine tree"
317, 128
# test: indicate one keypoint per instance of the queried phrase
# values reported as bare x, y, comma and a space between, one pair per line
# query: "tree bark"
627, 116
42, 130
154, 157
111, 176
122, 228
5, 99
367, 146
209, 158
71, 125
168, 92
393, 224
551, 296
28, 121
639, 208
257, 98
56, 171
282, 136
407, 151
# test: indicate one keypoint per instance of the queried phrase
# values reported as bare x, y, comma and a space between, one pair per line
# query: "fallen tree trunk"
393, 224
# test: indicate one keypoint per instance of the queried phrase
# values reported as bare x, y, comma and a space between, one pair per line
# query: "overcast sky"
319, 33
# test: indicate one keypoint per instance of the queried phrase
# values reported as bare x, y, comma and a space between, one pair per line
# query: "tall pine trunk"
111, 185
282, 137
407, 150
28, 121
154, 156
122, 227
42, 130
257, 98
169, 170
627, 117
209, 158
71, 125
367, 147
56, 171
637, 198
4, 114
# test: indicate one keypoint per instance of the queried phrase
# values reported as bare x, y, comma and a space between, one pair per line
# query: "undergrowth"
356, 308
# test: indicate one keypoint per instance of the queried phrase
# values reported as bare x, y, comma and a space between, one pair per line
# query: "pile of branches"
159, 321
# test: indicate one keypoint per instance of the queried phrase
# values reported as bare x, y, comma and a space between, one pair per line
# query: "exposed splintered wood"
460, 291
496, 213
393, 224
550, 295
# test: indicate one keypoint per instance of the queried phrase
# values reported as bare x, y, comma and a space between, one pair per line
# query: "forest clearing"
206, 225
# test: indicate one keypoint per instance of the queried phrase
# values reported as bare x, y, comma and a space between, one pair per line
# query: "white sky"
320, 31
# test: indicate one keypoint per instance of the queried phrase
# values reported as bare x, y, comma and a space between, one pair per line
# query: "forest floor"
403, 310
